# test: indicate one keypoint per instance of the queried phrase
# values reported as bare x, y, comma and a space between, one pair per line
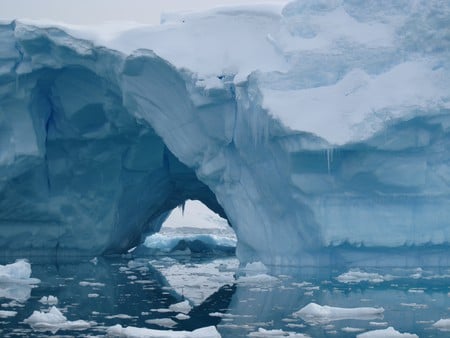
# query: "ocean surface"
213, 291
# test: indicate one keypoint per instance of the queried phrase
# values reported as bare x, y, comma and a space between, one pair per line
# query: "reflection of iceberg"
16, 282
197, 281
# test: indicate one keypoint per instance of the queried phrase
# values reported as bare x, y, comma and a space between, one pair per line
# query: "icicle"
183, 205
329, 159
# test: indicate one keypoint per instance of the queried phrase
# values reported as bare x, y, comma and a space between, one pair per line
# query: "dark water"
136, 291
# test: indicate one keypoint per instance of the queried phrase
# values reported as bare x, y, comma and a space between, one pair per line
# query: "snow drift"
319, 126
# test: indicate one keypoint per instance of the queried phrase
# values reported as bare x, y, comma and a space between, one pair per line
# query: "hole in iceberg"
192, 229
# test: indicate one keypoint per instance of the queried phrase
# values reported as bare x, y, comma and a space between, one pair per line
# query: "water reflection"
141, 292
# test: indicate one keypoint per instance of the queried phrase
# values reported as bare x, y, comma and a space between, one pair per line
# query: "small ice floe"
416, 290
352, 329
183, 307
378, 324
15, 281
357, 276
91, 284
7, 314
135, 332
262, 333
120, 316
164, 322
390, 332
17, 273
255, 274
54, 320
317, 314
50, 300
415, 305
182, 316
93, 295
442, 324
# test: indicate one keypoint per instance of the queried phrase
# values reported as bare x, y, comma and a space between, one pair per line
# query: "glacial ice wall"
320, 125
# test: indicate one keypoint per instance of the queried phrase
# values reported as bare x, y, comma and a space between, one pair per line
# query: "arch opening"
192, 229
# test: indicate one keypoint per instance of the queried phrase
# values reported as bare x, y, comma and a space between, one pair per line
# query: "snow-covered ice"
317, 314
54, 320
7, 314
49, 300
442, 324
390, 332
136, 332
17, 273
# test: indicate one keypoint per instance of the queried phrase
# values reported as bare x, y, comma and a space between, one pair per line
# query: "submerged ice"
319, 130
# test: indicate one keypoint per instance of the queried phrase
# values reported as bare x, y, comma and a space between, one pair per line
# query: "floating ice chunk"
258, 280
183, 307
92, 284
352, 329
7, 314
442, 324
50, 300
164, 322
378, 323
17, 273
317, 314
120, 316
136, 332
182, 316
390, 332
93, 295
358, 276
263, 333
54, 320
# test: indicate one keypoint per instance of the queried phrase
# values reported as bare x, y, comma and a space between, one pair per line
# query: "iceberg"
319, 130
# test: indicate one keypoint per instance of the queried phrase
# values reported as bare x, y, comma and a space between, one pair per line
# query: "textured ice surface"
314, 313
54, 320
390, 332
136, 332
321, 131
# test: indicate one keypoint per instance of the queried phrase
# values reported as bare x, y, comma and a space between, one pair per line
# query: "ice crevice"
313, 156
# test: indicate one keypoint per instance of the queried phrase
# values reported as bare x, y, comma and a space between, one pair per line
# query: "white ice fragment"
357, 276
54, 320
50, 300
93, 295
17, 273
120, 316
263, 333
136, 332
92, 284
442, 324
390, 332
352, 329
164, 322
183, 307
317, 314
7, 314
182, 316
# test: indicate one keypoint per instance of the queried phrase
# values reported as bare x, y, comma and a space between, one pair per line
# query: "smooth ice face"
319, 130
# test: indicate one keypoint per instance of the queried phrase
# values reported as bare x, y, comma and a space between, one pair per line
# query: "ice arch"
96, 146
